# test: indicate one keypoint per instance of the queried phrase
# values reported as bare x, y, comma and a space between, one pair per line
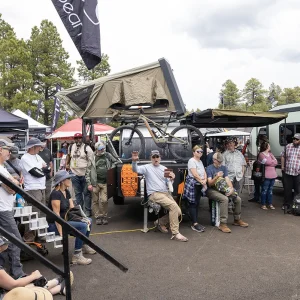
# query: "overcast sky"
205, 41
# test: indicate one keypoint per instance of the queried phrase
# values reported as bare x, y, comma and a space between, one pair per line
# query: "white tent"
229, 133
33, 124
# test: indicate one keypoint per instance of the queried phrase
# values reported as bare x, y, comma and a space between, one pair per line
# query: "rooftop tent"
152, 86
9, 122
211, 118
74, 126
33, 124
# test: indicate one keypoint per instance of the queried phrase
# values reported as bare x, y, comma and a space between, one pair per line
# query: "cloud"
289, 55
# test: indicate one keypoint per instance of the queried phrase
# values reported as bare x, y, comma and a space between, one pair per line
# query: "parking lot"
258, 262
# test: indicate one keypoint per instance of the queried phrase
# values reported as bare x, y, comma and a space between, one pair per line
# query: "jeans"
80, 226
194, 207
82, 194
267, 191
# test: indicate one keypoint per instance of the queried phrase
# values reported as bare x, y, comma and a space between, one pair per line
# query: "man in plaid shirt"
290, 165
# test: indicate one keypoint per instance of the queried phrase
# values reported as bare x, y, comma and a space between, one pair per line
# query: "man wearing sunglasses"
290, 165
214, 172
157, 191
7, 221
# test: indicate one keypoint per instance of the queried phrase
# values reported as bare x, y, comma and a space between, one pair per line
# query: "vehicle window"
262, 131
289, 133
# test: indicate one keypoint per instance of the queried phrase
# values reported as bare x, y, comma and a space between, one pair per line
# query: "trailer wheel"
118, 200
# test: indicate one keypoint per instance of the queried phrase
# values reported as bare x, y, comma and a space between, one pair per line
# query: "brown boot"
224, 228
240, 223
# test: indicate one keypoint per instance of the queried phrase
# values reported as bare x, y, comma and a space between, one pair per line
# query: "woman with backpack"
268, 159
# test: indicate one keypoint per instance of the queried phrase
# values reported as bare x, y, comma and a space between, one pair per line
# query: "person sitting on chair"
157, 191
214, 173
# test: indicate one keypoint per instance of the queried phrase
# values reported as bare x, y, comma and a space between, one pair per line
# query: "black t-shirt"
64, 203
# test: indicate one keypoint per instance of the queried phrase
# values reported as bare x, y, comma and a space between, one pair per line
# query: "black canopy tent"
211, 118
10, 122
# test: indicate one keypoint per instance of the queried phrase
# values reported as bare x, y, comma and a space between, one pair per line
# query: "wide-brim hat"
23, 293
34, 142
61, 176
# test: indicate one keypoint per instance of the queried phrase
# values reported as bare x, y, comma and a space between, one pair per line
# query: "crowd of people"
86, 170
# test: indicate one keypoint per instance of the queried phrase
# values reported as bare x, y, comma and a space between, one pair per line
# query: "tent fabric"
10, 121
105, 97
230, 118
31, 122
74, 126
228, 133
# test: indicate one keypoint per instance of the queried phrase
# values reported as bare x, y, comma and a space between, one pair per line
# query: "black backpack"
258, 171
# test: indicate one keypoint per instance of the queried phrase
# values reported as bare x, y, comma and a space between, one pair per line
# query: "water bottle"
142, 187
20, 200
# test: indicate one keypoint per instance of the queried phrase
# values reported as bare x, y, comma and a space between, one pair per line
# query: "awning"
9, 121
229, 133
211, 118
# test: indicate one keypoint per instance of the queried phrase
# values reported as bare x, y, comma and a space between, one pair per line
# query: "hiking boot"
104, 221
240, 223
86, 249
198, 228
99, 221
224, 228
79, 259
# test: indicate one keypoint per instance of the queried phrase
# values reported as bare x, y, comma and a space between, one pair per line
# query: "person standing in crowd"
60, 202
45, 154
96, 178
13, 164
214, 172
32, 170
78, 158
64, 148
210, 155
7, 221
195, 185
235, 162
268, 159
290, 165
157, 191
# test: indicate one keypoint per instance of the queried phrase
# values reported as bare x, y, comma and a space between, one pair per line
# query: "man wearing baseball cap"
7, 221
96, 178
157, 191
290, 166
79, 155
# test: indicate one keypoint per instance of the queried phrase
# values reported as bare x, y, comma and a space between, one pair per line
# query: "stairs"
38, 224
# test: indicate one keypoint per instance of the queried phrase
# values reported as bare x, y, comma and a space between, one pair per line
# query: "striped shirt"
292, 160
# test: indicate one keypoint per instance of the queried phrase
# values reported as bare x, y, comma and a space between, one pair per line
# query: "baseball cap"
155, 152
5, 143
78, 135
296, 136
101, 147
34, 142
218, 156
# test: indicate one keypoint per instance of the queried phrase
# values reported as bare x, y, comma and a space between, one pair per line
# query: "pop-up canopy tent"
229, 133
211, 118
34, 126
152, 86
10, 122
68, 130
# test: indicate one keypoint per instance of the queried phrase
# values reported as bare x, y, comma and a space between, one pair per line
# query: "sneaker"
99, 221
264, 207
240, 223
224, 228
271, 207
104, 221
86, 249
79, 259
253, 200
197, 228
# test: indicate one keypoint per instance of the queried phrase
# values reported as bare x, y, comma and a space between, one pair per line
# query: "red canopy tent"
68, 130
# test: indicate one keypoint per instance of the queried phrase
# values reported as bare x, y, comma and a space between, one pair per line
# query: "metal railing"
66, 228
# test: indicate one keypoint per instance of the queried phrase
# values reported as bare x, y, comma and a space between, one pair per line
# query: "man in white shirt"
7, 221
32, 170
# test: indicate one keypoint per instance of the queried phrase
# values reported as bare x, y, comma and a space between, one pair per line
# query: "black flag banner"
80, 18
56, 109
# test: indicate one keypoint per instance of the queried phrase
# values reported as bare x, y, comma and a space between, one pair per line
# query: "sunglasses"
155, 156
217, 160
6, 148
199, 151
296, 139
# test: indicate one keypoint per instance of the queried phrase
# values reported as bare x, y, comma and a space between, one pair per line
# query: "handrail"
67, 229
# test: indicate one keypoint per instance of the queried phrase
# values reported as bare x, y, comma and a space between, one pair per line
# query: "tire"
124, 151
184, 152
118, 200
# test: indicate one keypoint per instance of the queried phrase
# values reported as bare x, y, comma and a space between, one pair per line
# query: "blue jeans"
267, 191
80, 226
82, 194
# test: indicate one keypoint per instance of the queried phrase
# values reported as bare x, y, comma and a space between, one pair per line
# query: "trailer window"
288, 131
